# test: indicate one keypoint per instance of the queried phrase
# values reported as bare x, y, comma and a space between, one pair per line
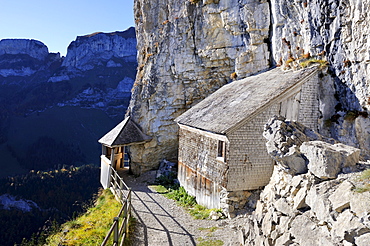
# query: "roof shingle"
234, 102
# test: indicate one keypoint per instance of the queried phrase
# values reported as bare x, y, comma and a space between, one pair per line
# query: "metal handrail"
119, 232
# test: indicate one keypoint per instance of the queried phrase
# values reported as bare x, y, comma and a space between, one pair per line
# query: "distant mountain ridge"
43, 94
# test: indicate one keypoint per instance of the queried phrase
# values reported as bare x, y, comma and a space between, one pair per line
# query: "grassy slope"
61, 194
90, 228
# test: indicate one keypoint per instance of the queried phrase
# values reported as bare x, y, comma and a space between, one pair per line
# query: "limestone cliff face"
188, 49
337, 31
185, 52
83, 51
22, 58
33, 48
105, 65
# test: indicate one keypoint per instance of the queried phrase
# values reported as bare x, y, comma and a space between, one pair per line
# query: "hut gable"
125, 133
238, 101
222, 153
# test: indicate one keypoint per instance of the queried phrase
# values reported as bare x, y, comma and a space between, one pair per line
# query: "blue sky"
57, 23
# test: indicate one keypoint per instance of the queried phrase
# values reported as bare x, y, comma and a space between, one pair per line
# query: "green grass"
90, 228
209, 242
181, 197
365, 178
159, 188
201, 212
185, 200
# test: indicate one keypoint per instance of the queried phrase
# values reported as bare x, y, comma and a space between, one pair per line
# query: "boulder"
363, 240
300, 199
284, 239
341, 197
348, 227
305, 232
284, 139
166, 169
326, 160
317, 200
283, 206
267, 226
360, 203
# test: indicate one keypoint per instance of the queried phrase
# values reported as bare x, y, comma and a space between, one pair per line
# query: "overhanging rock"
299, 149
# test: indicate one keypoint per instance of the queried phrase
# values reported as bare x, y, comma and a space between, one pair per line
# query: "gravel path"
161, 222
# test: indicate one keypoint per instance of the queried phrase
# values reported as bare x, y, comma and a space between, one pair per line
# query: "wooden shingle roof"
125, 133
235, 102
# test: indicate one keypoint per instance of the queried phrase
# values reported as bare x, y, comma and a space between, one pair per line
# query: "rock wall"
304, 210
185, 52
322, 204
336, 31
188, 49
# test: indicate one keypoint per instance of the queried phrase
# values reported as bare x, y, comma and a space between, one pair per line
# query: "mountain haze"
53, 108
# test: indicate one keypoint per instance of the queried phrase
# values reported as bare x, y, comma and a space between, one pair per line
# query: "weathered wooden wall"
200, 171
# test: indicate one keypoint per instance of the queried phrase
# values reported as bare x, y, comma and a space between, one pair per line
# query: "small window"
221, 149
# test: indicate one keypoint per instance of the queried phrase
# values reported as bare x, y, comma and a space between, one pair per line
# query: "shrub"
169, 181
365, 178
308, 62
233, 76
181, 197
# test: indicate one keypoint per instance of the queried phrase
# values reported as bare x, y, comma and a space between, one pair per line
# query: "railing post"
125, 215
128, 210
121, 189
116, 230
129, 200
115, 181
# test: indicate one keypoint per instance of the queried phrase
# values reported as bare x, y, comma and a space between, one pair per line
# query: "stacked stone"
303, 210
318, 206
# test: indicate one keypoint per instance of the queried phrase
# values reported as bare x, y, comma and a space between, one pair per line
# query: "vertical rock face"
337, 31
105, 65
33, 48
82, 52
188, 49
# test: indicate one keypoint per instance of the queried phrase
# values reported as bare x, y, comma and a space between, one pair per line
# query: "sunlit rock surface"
188, 49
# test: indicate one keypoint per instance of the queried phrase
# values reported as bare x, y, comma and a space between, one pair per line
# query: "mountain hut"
222, 153
115, 146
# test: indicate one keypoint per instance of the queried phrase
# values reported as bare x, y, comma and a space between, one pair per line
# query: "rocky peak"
88, 94
33, 48
22, 58
83, 51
